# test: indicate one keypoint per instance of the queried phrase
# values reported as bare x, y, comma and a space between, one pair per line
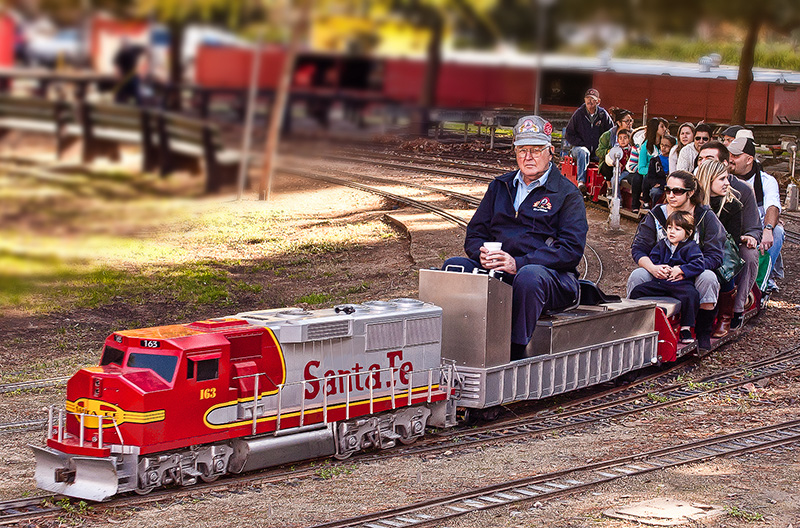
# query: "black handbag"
732, 263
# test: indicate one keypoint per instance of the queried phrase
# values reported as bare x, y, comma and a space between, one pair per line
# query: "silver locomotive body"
568, 351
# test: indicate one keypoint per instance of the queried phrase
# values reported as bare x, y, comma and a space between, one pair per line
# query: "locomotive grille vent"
420, 331
384, 335
318, 331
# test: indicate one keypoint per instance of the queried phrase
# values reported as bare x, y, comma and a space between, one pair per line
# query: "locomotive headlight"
97, 387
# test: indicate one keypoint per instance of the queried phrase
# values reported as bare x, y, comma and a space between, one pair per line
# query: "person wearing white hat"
744, 166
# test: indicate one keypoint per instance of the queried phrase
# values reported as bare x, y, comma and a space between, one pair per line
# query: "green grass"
157, 249
744, 515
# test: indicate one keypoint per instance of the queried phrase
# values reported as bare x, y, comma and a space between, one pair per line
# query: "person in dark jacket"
751, 229
583, 132
126, 62
683, 256
656, 179
539, 217
683, 193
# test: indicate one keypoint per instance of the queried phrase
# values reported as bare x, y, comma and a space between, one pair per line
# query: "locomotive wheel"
408, 440
144, 491
209, 478
342, 456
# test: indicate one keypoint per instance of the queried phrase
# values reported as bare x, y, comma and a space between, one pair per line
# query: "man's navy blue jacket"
687, 255
581, 132
549, 229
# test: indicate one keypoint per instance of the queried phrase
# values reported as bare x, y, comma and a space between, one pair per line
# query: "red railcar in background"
677, 91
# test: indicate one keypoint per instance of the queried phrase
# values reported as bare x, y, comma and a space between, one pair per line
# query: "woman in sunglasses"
683, 193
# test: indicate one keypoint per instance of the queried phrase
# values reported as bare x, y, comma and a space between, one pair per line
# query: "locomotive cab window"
112, 356
205, 369
163, 366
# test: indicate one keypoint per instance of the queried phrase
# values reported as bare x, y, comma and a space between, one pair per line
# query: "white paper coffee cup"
493, 246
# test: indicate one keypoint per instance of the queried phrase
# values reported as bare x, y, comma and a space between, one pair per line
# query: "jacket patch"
543, 205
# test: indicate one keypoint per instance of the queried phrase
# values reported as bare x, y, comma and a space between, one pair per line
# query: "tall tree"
778, 15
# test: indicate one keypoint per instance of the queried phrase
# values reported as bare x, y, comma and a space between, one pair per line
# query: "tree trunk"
427, 98
173, 95
745, 77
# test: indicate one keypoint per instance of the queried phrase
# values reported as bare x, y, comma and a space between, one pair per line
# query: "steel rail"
471, 200
569, 481
12, 511
402, 199
29, 425
403, 166
792, 236
33, 384
432, 159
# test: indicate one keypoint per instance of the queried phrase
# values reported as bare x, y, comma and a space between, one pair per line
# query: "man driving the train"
539, 217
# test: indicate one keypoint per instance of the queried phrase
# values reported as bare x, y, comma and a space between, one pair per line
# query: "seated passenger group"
712, 192
729, 196
659, 168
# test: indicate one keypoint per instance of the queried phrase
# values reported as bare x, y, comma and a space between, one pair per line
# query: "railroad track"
418, 204
33, 384
612, 406
407, 163
18, 427
615, 403
466, 198
792, 236
12, 511
574, 480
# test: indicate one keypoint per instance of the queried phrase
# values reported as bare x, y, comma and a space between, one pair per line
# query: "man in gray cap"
540, 218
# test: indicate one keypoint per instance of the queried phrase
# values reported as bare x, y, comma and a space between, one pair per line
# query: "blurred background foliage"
680, 30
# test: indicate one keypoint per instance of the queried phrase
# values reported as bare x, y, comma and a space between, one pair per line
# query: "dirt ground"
759, 489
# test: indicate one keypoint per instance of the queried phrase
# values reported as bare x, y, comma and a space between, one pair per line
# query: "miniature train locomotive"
174, 404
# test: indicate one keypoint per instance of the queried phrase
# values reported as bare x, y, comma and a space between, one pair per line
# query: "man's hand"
766, 241
751, 242
660, 271
498, 260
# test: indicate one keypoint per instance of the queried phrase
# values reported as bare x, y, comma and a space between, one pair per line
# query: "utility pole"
542, 28
299, 18
252, 100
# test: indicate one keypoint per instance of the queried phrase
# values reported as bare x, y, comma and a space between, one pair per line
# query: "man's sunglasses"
677, 191
702, 138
